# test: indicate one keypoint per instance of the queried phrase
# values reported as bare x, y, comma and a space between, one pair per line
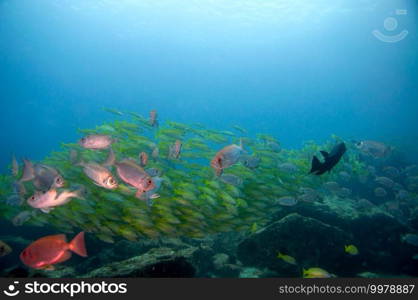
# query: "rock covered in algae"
373, 230
157, 262
309, 241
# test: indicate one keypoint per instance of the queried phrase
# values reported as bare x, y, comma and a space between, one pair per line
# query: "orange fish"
153, 118
174, 150
143, 158
52, 249
226, 157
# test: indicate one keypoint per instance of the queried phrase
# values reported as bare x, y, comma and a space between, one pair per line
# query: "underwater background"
286, 79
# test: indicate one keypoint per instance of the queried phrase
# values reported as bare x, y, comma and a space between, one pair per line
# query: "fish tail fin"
241, 145
77, 160
28, 171
73, 156
15, 166
20, 188
316, 164
80, 192
110, 158
77, 245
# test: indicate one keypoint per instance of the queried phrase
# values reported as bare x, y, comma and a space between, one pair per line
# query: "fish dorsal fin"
325, 154
110, 161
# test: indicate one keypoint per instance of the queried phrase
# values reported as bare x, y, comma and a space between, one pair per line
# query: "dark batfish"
330, 160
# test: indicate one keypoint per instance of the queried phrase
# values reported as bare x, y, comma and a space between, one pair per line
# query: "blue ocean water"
300, 70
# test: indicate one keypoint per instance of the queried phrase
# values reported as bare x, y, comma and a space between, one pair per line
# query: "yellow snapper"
316, 273
351, 249
287, 258
4, 249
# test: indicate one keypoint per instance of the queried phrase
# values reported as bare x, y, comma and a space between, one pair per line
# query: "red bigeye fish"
226, 157
45, 252
100, 175
135, 176
143, 158
96, 141
47, 177
175, 150
44, 177
153, 118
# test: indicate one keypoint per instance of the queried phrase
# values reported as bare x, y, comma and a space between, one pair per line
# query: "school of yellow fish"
142, 179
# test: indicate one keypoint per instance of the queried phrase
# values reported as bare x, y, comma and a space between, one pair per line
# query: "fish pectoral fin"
139, 193
46, 209
155, 196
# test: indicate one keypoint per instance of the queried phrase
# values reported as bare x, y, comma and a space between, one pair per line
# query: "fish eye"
32, 198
